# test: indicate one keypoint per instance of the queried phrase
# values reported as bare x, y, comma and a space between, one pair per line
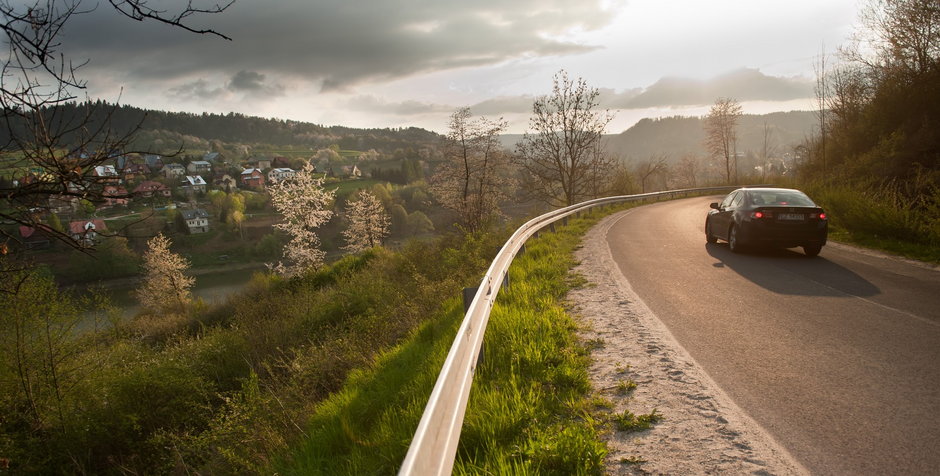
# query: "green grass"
882, 217
347, 187
629, 422
366, 427
531, 408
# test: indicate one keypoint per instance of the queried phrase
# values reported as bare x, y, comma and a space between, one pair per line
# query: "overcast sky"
394, 63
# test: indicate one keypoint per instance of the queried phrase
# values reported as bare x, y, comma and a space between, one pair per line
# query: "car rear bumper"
788, 235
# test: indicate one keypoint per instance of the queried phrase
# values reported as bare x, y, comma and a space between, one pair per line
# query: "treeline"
229, 128
875, 159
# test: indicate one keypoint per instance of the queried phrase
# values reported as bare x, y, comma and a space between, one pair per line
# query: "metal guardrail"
434, 445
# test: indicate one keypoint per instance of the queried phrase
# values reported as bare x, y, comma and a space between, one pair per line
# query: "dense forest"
160, 130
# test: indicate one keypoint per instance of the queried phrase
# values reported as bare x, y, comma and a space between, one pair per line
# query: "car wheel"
733, 244
709, 237
812, 250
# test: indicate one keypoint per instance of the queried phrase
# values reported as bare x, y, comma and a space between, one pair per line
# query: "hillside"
679, 136
162, 131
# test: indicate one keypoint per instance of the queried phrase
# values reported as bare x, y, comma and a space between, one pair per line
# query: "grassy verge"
530, 410
882, 217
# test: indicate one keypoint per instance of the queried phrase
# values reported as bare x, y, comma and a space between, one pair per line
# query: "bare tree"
621, 180
368, 222
305, 206
650, 168
165, 287
721, 133
688, 170
562, 157
899, 33
475, 177
54, 151
822, 90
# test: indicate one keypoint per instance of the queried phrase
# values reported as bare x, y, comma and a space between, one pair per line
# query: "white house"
198, 167
174, 170
194, 183
197, 221
279, 174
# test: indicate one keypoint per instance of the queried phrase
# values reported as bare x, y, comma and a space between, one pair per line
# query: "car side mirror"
714, 205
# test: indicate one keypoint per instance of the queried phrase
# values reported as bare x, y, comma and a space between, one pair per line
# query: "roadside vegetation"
874, 162
531, 409
227, 387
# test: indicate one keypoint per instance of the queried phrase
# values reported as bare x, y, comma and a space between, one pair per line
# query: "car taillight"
761, 214
821, 216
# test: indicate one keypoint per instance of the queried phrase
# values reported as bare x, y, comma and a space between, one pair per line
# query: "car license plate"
792, 216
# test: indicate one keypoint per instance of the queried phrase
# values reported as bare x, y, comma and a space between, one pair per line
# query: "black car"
768, 217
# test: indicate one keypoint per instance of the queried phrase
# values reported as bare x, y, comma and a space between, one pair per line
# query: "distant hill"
678, 136
161, 130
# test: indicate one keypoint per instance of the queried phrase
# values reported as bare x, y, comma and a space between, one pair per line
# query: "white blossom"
305, 206
368, 223
165, 287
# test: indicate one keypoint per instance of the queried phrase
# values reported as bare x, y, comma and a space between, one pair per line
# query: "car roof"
770, 189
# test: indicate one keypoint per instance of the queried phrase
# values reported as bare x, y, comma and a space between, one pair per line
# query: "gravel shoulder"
703, 431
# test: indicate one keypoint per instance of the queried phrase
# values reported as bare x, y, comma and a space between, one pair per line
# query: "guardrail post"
551, 226
468, 294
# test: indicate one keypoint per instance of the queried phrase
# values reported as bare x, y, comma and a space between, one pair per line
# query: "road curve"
837, 357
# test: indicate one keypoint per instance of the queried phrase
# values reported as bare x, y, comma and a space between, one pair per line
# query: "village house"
107, 174
252, 178
199, 167
149, 188
279, 161
351, 171
279, 174
63, 203
194, 184
174, 170
196, 221
262, 163
85, 232
133, 171
155, 162
224, 182
114, 195
35, 238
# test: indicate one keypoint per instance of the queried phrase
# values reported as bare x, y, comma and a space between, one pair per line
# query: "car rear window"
792, 198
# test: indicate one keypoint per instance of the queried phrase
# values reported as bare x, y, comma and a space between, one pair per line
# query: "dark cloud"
253, 83
336, 43
250, 84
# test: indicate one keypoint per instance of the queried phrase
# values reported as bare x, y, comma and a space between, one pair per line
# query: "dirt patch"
703, 431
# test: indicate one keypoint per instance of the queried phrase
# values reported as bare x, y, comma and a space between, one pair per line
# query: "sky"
403, 63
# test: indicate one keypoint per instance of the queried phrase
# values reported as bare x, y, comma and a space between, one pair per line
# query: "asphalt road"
837, 357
